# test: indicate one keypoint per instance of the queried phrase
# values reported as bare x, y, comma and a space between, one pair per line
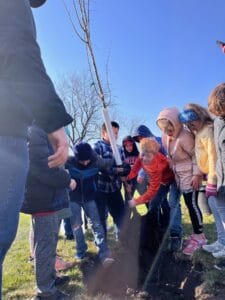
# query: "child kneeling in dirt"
157, 168
84, 167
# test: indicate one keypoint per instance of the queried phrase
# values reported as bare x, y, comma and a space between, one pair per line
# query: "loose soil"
143, 267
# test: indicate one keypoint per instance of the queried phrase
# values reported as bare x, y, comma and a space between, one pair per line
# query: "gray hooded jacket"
219, 137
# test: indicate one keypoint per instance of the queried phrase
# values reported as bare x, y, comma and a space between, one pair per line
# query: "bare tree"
130, 124
82, 103
81, 26
127, 125
80, 19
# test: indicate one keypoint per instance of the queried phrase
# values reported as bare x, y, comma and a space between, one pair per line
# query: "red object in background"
221, 45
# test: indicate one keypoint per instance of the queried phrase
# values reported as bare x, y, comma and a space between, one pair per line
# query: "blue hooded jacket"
144, 132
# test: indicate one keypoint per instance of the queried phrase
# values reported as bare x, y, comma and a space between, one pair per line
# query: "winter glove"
132, 203
122, 170
211, 190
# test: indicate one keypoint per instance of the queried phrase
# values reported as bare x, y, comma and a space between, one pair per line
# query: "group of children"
190, 153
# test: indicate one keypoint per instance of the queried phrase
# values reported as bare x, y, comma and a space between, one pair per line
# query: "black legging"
191, 201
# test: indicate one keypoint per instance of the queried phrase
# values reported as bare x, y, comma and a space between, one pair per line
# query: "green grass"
18, 279
213, 279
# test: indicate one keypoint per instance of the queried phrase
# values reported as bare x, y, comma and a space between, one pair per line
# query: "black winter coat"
46, 189
26, 91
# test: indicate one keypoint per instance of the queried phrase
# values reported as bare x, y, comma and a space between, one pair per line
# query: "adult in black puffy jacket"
26, 93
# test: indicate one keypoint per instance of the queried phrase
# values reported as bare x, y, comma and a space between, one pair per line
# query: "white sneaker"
107, 262
214, 247
220, 266
220, 253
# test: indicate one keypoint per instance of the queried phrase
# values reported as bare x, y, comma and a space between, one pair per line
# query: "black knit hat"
83, 151
36, 3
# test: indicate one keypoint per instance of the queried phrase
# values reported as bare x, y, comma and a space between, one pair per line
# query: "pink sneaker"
187, 241
62, 265
191, 247
196, 242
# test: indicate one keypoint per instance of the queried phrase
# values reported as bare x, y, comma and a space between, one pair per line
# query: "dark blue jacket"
86, 176
46, 189
143, 131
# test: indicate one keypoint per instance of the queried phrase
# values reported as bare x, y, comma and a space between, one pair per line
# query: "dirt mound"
174, 278
142, 263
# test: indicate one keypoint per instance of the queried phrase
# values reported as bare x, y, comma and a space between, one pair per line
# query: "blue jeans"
13, 172
114, 203
91, 212
175, 211
154, 205
164, 212
217, 206
67, 227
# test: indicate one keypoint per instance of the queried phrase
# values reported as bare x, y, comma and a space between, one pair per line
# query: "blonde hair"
149, 145
216, 100
202, 113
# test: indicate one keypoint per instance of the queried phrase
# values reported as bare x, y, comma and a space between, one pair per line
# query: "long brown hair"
216, 101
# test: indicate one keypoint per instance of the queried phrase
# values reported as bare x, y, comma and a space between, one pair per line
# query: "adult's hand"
59, 142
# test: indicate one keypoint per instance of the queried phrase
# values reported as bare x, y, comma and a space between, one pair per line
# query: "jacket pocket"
183, 174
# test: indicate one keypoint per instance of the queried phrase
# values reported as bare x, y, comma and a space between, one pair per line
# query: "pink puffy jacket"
180, 149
